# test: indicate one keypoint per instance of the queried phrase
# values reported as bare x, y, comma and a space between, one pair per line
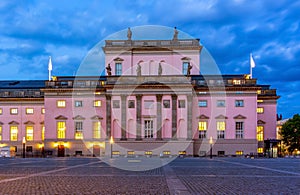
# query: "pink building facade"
152, 101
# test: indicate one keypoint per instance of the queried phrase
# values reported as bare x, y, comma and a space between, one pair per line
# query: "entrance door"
60, 151
96, 150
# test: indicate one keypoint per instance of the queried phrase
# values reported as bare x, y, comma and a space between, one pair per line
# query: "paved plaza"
181, 176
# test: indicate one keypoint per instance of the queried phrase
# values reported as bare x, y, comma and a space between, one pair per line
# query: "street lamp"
111, 141
24, 142
210, 142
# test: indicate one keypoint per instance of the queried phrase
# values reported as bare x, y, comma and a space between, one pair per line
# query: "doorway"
60, 151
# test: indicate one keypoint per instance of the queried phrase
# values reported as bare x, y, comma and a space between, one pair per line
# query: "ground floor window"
148, 128
260, 133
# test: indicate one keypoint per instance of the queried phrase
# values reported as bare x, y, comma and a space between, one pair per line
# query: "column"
108, 116
159, 117
123, 117
189, 116
138, 117
174, 116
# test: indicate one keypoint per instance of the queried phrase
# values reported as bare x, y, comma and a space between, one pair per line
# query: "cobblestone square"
181, 176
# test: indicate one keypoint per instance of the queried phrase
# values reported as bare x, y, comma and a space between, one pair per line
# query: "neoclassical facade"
152, 101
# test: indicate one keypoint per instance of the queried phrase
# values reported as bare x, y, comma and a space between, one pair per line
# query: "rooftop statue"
175, 36
108, 70
129, 34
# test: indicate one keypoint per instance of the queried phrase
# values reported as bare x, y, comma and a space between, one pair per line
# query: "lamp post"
111, 141
210, 142
23, 143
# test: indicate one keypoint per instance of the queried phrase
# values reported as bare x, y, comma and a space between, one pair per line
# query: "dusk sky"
31, 31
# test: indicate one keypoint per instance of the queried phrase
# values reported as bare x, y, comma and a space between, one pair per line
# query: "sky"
31, 31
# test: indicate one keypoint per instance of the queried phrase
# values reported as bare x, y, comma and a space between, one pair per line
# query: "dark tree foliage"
290, 133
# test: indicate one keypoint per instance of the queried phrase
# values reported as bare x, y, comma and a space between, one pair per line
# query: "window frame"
60, 103
11, 110
29, 109
239, 103
15, 133
221, 105
118, 68
78, 103
29, 135
239, 129
148, 129
61, 133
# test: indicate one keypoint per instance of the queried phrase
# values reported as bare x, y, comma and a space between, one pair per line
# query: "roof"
25, 84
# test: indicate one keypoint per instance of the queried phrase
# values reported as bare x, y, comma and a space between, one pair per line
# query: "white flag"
252, 63
50, 64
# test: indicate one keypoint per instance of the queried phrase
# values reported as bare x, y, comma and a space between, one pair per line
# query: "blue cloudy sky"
230, 30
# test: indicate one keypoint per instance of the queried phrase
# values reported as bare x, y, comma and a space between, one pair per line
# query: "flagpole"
49, 68
252, 65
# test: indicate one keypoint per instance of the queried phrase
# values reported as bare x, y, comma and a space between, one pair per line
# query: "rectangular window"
148, 104
221, 126
43, 110
185, 66
148, 128
96, 130
13, 133
61, 103
131, 104
78, 103
97, 103
116, 103
202, 127
260, 150
0, 111
43, 132
14, 111
239, 130
61, 130
78, 130
236, 82
29, 133
260, 133
239, 152
118, 68
181, 103
202, 103
239, 103
220, 103
0, 132
29, 110
166, 103
260, 110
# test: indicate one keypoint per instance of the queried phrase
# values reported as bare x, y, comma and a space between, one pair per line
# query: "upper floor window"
185, 66
260, 133
236, 82
29, 110
78, 103
220, 103
78, 130
221, 126
202, 103
61, 103
116, 104
43, 110
0, 111
97, 103
118, 69
14, 111
43, 132
0, 132
239, 103
239, 130
260, 110
29, 133
166, 103
96, 129
131, 104
61, 129
181, 104
13, 133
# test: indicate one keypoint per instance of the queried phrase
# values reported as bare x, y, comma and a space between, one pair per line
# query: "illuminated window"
260, 101
260, 110
148, 153
239, 130
78, 130
260, 133
97, 103
118, 68
0, 132
0, 111
13, 133
239, 103
96, 130
43, 132
221, 126
61, 103
29, 133
239, 152
14, 111
220, 103
148, 128
202, 103
260, 150
202, 127
258, 92
43, 110
236, 82
61, 129
29, 110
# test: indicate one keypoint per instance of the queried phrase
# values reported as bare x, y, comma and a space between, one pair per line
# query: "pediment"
118, 59
61, 117
97, 117
260, 122
202, 116
13, 123
186, 58
221, 116
78, 117
29, 123
239, 117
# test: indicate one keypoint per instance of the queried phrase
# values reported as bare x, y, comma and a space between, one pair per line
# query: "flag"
252, 63
50, 64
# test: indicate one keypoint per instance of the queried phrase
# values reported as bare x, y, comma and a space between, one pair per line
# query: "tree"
290, 133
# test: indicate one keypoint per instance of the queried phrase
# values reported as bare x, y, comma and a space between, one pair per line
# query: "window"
118, 68
13, 133
166, 103
0, 111
239, 130
260, 150
148, 104
239, 152
29, 133
220, 103
43, 132
131, 104
14, 111
185, 66
96, 130
43, 110
148, 129
61, 103
78, 103
116, 103
260, 133
221, 126
260, 101
181, 103
61, 129
97, 103
202, 103
78, 130
202, 127
29, 110
260, 110
239, 103
28, 148
0, 132
236, 82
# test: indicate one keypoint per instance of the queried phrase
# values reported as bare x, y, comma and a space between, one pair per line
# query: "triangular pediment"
61, 117
97, 117
13, 123
43, 122
260, 122
239, 117
186, 58
29, 123
78, 117
202, 116
221, 116
118, 59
